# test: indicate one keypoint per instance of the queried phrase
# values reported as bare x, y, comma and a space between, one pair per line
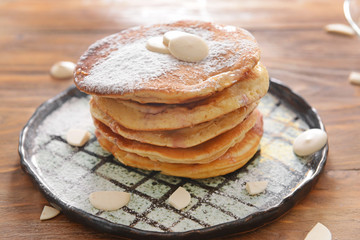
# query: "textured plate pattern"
67, 175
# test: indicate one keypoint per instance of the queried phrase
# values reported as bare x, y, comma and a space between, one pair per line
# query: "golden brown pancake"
179, 138
157, 117
202, 153
120, 66
188, 119
236, 157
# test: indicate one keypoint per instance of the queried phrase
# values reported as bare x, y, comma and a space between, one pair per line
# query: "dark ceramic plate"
67, 175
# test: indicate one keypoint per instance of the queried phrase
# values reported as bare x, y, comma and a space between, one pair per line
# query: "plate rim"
247, 224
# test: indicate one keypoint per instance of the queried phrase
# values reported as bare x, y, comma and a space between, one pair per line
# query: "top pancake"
120, 66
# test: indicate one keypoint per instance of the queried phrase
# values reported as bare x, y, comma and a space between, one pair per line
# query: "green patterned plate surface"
67, 175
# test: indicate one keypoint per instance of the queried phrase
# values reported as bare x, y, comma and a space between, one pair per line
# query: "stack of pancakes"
155, 112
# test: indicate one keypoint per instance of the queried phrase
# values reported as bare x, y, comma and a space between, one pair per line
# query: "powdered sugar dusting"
130, 65
70, 174
69, 110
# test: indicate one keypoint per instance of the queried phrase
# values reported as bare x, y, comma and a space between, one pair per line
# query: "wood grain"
34, 34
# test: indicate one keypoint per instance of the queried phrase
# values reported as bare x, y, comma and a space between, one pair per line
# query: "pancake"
188, 119
119, 66
157, 117
179, 138
202, 153
236, 157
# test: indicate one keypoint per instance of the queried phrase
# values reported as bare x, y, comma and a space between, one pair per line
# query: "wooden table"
34, 34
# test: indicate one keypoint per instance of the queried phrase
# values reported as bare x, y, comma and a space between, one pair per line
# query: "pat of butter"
77, 137
62, 70
309, 142
254, 188
188, 47
180, 198
155, 44
48, 213
109, 200
319, 232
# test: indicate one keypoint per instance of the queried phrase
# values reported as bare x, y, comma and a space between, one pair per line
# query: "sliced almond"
77, 137
155, 44
188, 47
354, 78
170, 35
180, 198
254, 188
319, 232
109, 200
48, 213
339, 28
62, 70
309, 141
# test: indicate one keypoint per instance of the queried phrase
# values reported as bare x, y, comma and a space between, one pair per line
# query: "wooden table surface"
34, 34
